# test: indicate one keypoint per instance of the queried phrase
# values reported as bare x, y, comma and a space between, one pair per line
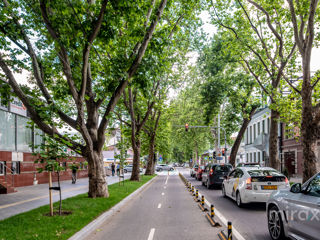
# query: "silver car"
295, 213
162, 167
128, 168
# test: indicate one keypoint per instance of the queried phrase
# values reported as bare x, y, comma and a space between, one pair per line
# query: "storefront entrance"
290, 162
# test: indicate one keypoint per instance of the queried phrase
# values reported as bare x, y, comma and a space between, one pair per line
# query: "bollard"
197, 195
202, 201
192, 190
229, 231
212, 211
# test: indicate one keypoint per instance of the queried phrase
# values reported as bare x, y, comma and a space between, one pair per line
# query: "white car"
253, 184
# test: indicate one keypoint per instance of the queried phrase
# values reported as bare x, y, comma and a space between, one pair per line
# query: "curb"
88, 229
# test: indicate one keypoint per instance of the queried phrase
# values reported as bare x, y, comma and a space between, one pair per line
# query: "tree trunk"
150, 165
97, 183
308, 129
237, 142
135, 175
273, 140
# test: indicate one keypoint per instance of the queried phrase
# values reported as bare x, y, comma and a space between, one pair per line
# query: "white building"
256, 137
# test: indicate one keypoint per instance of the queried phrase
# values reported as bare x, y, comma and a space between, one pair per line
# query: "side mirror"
296, 188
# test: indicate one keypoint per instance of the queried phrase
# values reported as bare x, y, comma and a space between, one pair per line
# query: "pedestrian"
118, 169
74, 169
113, 167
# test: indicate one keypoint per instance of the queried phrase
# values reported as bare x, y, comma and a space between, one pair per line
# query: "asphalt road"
250, 221
164, 210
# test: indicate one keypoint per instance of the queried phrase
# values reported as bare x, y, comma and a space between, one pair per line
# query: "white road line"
159, 206
167, 180
224, 221
162, 193
151, 233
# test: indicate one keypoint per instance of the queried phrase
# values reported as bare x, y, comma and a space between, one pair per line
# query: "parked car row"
292, 211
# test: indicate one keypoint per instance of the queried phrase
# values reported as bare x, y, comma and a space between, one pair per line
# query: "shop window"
2, 168
24, 134
15, 167
7, 131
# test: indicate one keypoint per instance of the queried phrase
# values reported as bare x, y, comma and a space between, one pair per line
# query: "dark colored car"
193, 170
199, 173
214, 173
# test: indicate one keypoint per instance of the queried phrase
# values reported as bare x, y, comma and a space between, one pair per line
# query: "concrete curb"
88, 229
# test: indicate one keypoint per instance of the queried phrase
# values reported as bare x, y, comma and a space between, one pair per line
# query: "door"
230, 182
289, 162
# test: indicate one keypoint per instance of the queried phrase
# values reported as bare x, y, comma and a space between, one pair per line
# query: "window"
255, 157
64, 165
2, 170
38, 138
258, 128
259, 158
7, 131
247, 139
24, 135
254, 132
250, 157
263, 126
247, 159
250, 135
15, 167
268, 127
314, 187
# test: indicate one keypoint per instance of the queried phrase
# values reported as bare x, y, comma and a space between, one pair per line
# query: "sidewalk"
164, 210
30, 197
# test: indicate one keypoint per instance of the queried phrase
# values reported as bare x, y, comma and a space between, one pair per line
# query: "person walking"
113, 167
74, 169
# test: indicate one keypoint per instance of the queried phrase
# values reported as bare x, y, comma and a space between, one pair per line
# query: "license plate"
272, 187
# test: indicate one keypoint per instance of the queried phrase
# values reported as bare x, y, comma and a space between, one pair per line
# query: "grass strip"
34, 225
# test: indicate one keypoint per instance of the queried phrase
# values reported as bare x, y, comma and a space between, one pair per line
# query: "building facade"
256, 138
17, 143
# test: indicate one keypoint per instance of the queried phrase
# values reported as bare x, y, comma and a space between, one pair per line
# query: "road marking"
166, 180
151, 233
162, 193
159, 206
37, 198
164, 187
235, 232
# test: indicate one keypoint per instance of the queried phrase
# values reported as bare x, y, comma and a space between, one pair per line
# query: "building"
256, 138
17, 143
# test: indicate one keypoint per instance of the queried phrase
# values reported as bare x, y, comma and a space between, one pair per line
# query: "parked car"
199, 172
249, 184
214, 173
295, 212
194, 170
128, 168
162, 167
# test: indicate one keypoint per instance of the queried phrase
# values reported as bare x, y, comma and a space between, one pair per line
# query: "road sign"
219, 158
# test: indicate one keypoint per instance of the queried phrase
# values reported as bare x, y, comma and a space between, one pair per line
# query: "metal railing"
7, 179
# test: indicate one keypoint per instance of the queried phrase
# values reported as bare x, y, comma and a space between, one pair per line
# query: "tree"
81, 56
226, 84
264, 42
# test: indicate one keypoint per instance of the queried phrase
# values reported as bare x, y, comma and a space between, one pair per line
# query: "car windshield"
223, 168
261, 172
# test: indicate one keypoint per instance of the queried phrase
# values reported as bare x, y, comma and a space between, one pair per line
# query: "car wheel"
125, 170
171, 169
160, 170
208, 185
275, 224
223, 191
238, 200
